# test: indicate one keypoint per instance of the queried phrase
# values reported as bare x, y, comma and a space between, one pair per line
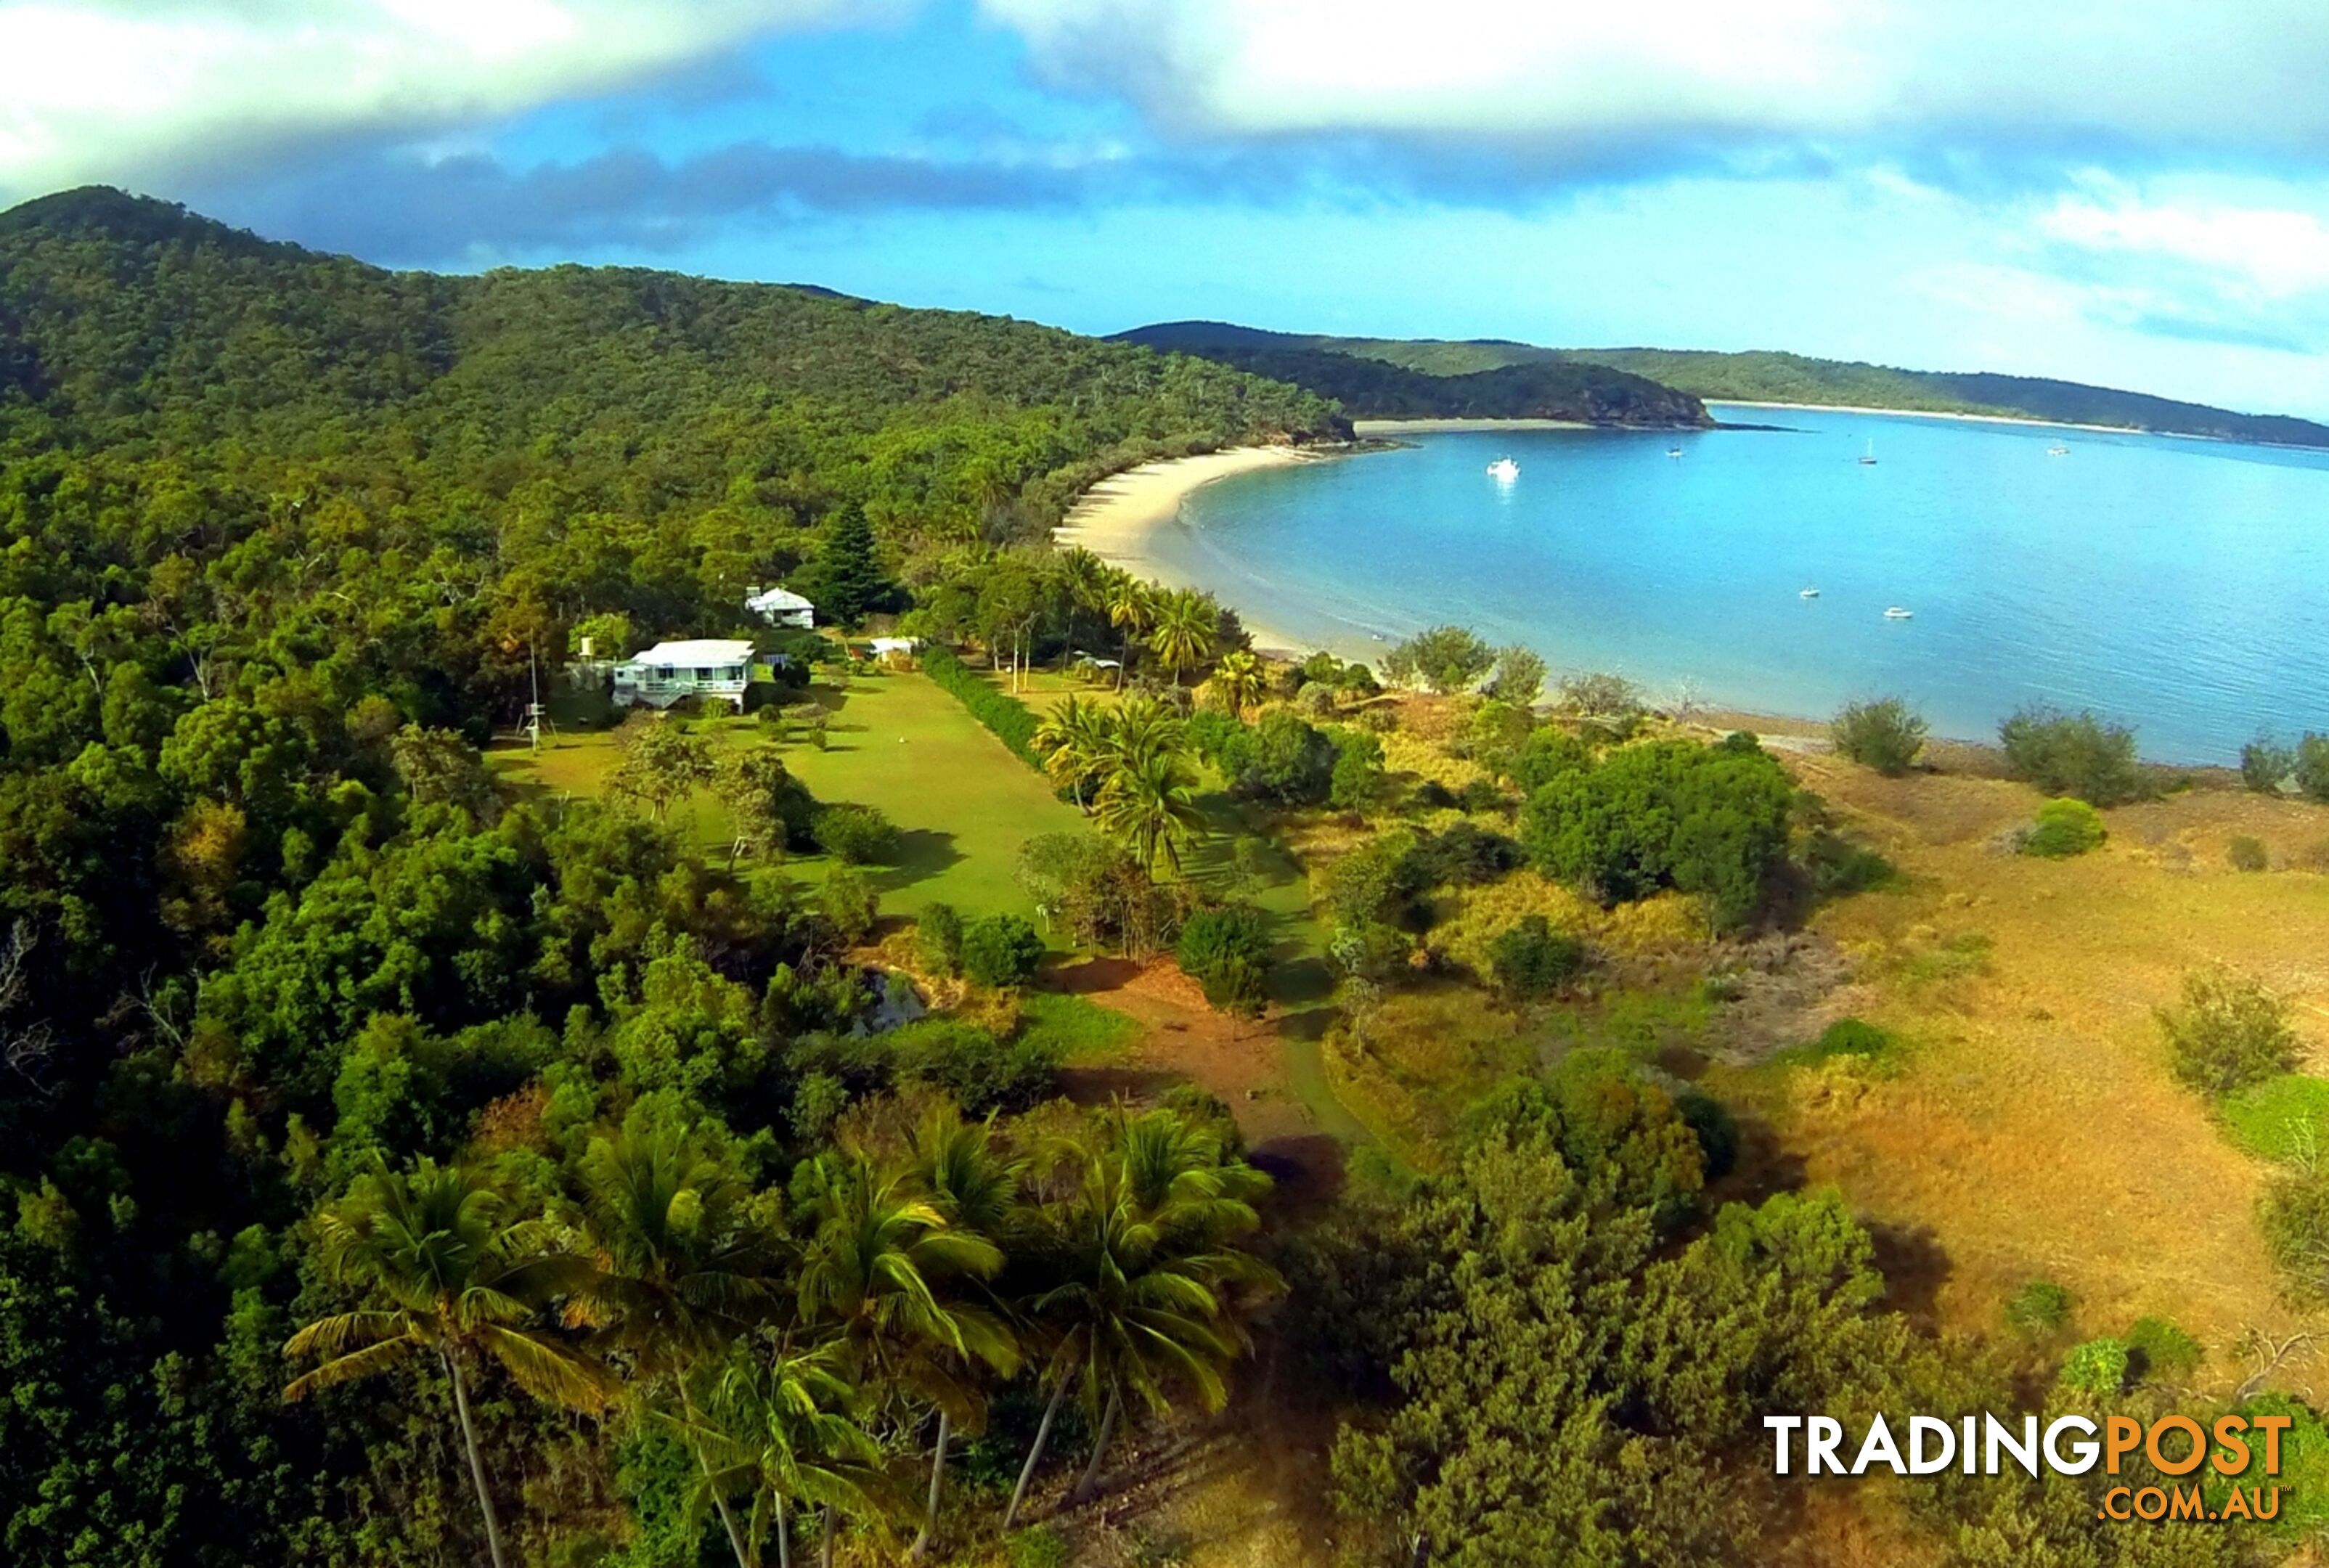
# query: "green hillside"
1369, 383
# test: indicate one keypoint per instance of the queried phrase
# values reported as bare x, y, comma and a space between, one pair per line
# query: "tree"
437, 767
2064, 828
846, 581
1241, 679
1519, 677
1145, 1258
2072, 754
2229, 1033
1883, 733
448, 1273
775, 1425
1531, 959
1599, 694
1001, 949
662, 761
769, 809
1227, 952
1444, 658
2265, 765
1150, 807
1071, 740
1183, 630
856, 834
2308, 767
1131, 605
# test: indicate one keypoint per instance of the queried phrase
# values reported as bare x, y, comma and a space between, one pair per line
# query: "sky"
2134, 193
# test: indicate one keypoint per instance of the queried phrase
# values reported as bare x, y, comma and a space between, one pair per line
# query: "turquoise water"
2179, 586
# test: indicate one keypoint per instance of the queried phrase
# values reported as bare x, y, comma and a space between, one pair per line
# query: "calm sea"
2179, 586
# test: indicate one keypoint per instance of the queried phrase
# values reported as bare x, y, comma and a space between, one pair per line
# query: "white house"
669, 671
781, 606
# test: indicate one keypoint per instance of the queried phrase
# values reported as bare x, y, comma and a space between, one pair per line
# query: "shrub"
1356, 780
851, 903
856, 834
982, 1073
1040, 1546
1885, 734
1519, 677
2097, 1368
2064, 827
1369, 949
1599, 695
1227, 952
2278, 1119
2230, 1033
1466, 856
1546, 755
2040, 1306
2247, 854
2265, 765
1848, 1037
1212, 732
1446, 658
2159, 1350
1316, 699
1534, 959
2293, 1217
1011, 720
2310, 768
1001, 951
938, 931
1284, 758
2072, 754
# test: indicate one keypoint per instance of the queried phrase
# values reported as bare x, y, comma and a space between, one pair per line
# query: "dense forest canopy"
1473, 376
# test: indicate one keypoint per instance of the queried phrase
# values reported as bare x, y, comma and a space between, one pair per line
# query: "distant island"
1490, 378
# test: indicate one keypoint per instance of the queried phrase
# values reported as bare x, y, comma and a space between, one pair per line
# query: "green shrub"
2309, 767
1074, 1029
1885, 734
1001, 949
856, 834
2265, 766
2294, 1219
1534, 959
1039, 1546
2097, 1368
2065, 828
1446, 658
2041, 1306
938, 931
2072, 754
2231, 1032
1011, 720
1283, 758
2247, 854
1848, 1037
2160, 1352
982, 1073
851, 903
1227, 952
1357, 779
2281, 1117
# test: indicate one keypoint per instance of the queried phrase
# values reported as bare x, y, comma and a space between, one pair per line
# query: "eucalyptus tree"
1146, 1278
445, 1273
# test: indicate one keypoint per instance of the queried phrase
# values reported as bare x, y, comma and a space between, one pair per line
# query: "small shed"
698, 667
781, 606
883, 647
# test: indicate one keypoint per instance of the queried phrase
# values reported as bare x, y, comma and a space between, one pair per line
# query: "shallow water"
2179, 586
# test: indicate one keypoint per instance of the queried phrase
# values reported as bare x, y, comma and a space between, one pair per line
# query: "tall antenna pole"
533, 709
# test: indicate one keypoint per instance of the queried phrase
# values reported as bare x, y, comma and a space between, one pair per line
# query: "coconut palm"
1147, 1269
1086, 577
1132, 605
1240, 677
446, 1272
1150, 806
682, 1264
1181, 630
774, 1427
882, 1274
1138, 729
1070, 739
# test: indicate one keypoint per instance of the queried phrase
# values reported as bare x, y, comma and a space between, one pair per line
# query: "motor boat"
1897, 613
1673, 451
1807, 593
1504, 470
2058, 451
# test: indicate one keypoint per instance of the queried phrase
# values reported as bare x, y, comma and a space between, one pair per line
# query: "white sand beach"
1113, 518
1427, 427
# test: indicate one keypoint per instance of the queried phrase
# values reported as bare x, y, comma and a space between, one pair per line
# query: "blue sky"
2135, 192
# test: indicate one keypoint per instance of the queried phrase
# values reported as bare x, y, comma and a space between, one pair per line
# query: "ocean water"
2179, 586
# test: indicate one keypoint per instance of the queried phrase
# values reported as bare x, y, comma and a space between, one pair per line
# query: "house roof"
701, 650
777, 599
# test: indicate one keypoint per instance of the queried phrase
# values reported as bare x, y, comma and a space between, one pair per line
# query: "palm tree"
1144, 1259
1183, 630
1087, 578
775, 1426
683, 1264
878, 1256
1132, 605
1070, 739
1138, 729
448, 1273
1240, 677
1151, 806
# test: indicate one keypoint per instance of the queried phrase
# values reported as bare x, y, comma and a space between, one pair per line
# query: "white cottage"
781, 606
670, 671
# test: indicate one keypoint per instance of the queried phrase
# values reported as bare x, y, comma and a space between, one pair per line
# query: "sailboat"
1868, 458
1504, 470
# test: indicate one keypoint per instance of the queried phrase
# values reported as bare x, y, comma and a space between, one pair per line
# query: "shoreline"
1425, 427
1947, 414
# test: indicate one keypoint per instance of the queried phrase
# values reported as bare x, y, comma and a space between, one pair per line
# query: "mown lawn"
963, 804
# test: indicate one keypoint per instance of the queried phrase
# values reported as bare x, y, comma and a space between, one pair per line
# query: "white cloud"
116, 90
2263, 252
2170, 75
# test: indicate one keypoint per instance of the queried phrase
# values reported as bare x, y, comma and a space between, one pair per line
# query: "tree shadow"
922, 853
1915, 1266
1306, 1167
1094, 975
1100, 1085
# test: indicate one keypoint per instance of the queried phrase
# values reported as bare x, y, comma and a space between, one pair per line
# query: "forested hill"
1369, 386
1759, 376
136, 326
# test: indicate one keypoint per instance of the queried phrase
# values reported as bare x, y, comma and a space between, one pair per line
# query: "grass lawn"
963, 804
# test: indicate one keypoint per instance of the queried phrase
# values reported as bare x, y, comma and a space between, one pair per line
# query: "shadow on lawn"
922, 853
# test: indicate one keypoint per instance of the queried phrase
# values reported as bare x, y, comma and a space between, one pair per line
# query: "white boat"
1807, 593
1673, 451
1868, 458
1504, 470
1897, 613
2058, 451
